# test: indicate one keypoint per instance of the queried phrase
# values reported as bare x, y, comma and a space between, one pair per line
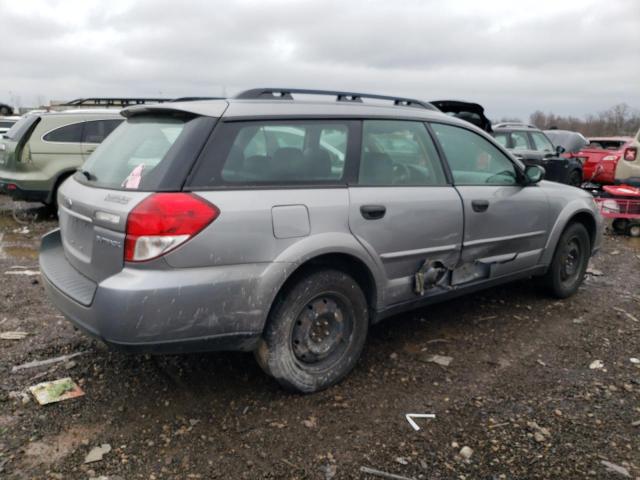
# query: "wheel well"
589, 223
61, 178
345, 263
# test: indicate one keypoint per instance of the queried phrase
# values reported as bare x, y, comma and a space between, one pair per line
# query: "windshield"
22, 126
133, 156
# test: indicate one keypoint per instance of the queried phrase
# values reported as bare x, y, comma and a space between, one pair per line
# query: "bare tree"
617, 120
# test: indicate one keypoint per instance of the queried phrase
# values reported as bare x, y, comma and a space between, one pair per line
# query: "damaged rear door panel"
403, 210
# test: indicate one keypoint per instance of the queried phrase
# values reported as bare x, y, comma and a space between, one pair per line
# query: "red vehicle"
621, 203
600, 158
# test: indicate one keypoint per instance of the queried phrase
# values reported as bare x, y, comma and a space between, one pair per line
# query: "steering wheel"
401, 174
503, 173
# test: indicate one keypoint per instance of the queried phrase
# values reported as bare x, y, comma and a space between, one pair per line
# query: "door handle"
373, 212
480, 205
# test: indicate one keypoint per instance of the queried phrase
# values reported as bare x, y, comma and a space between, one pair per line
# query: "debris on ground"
613, 468
635, 361
22, 272
466, 452
56, 391
595, 272
596, 365
97, 453
626, 314
381, 474
441, 360
48, 361
13, 335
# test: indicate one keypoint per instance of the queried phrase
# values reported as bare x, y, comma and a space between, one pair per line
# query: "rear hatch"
471, 112
14, 141
150, 152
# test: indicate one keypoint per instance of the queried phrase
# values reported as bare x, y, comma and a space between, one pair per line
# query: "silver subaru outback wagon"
285, 227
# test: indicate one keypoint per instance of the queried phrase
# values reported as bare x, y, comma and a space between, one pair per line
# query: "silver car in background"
285, 227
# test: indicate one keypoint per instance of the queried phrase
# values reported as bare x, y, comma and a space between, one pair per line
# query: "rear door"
506, 224
402, 209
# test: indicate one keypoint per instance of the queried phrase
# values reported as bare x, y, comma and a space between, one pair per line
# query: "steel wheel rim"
571, 261
322, 330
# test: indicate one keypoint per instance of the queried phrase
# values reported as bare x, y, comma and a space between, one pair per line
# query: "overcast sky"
513, 56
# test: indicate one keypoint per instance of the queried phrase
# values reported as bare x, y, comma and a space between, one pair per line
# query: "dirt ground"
519, 391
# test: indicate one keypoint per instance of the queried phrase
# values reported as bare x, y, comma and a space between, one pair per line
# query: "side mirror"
560, 149
533, 174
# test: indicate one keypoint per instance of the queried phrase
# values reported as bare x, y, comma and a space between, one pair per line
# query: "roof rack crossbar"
112, 101
286, 94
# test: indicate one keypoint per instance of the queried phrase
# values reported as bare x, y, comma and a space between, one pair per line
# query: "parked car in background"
571, 142
628, 168
286, 227
600, 158
533, 147
5, 110
6, 123
42, 149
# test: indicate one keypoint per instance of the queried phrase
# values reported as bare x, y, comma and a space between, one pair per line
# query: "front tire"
570, 261
315, 332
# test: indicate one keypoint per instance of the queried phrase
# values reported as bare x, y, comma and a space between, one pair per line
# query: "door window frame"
518, 168
448, 179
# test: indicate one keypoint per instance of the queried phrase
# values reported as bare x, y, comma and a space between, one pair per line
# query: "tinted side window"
398, 153
69, 134
97, 130
472, 158
275, 152
541, 142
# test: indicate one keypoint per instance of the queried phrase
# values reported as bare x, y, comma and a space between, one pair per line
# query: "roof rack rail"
112, 102
286, 94
195, 99
514, 124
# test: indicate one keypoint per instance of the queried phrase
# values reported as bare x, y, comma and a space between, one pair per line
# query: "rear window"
135, 156
606, 144
21, 127
71, 133
6, 123
275, 153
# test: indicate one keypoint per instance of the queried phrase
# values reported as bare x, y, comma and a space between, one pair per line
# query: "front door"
402, 209
506, 223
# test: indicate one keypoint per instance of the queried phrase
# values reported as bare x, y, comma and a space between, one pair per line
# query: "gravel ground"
518, 400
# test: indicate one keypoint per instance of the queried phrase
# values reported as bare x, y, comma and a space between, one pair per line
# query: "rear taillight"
163, 221
610, 158
630, 154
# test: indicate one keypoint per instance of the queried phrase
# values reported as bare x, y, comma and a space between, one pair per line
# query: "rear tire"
575, 178
5, 111
315, 332
570, 261
620, 225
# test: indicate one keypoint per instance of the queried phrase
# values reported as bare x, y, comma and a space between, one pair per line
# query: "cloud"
571, 57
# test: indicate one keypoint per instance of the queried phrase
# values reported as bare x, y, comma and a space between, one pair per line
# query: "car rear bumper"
20, 191
164, 311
